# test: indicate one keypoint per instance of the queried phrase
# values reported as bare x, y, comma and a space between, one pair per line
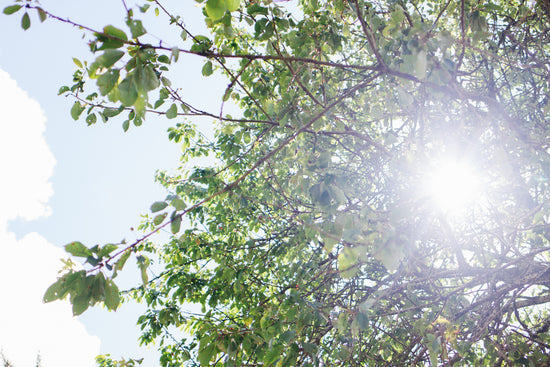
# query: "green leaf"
70, 282
115, 32
158, 206
78, 249
273, 354
176, 223
172, 112
42, 14
347, 263
164, 59
98, 288
81, 303
126, 125
146, 79
74, 281
227, 94
109, 58
143, 263
144, 276
158, 103
288, 335
329, 243
77, 62
111, 37
178, 204
91, 119
55, 291
140, 104
256, 9
26, 21
107, 249
362, 321
158, 219
112, 112
12, 9
136, 28
206, 354
232, 5
112, 295
207, 68
120, 263
215, 9
309, 348
63, 89
175, 53
127, 91
92, 260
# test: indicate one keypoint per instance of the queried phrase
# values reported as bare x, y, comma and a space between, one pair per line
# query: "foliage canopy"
310, 239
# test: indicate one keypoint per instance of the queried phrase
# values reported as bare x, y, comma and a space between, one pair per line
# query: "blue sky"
63, 181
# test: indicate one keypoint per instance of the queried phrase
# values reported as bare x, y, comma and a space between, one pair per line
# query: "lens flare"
453, 186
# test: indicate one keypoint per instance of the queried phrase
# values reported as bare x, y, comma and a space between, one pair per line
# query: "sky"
63, 181
29, 262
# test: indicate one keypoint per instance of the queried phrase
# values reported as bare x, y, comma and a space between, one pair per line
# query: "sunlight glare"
453, 186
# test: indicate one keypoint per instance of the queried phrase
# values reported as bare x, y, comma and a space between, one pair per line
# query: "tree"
7, 363
314, 238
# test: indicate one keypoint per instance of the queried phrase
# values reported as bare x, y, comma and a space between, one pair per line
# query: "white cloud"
28, 265
26, 163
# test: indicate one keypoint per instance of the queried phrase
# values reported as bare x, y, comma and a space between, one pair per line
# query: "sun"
453, 185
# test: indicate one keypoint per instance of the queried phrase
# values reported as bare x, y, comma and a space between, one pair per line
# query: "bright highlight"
453, 186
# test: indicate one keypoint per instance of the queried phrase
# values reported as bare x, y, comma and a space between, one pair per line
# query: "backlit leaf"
215, 8
119, 265
206, 354
112, 296
109, 58
178, 204
127, 91
78, 249
107, 249
111, 37
143, 264
232, 5
115, 32
136, 28
146, 79
175, 53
